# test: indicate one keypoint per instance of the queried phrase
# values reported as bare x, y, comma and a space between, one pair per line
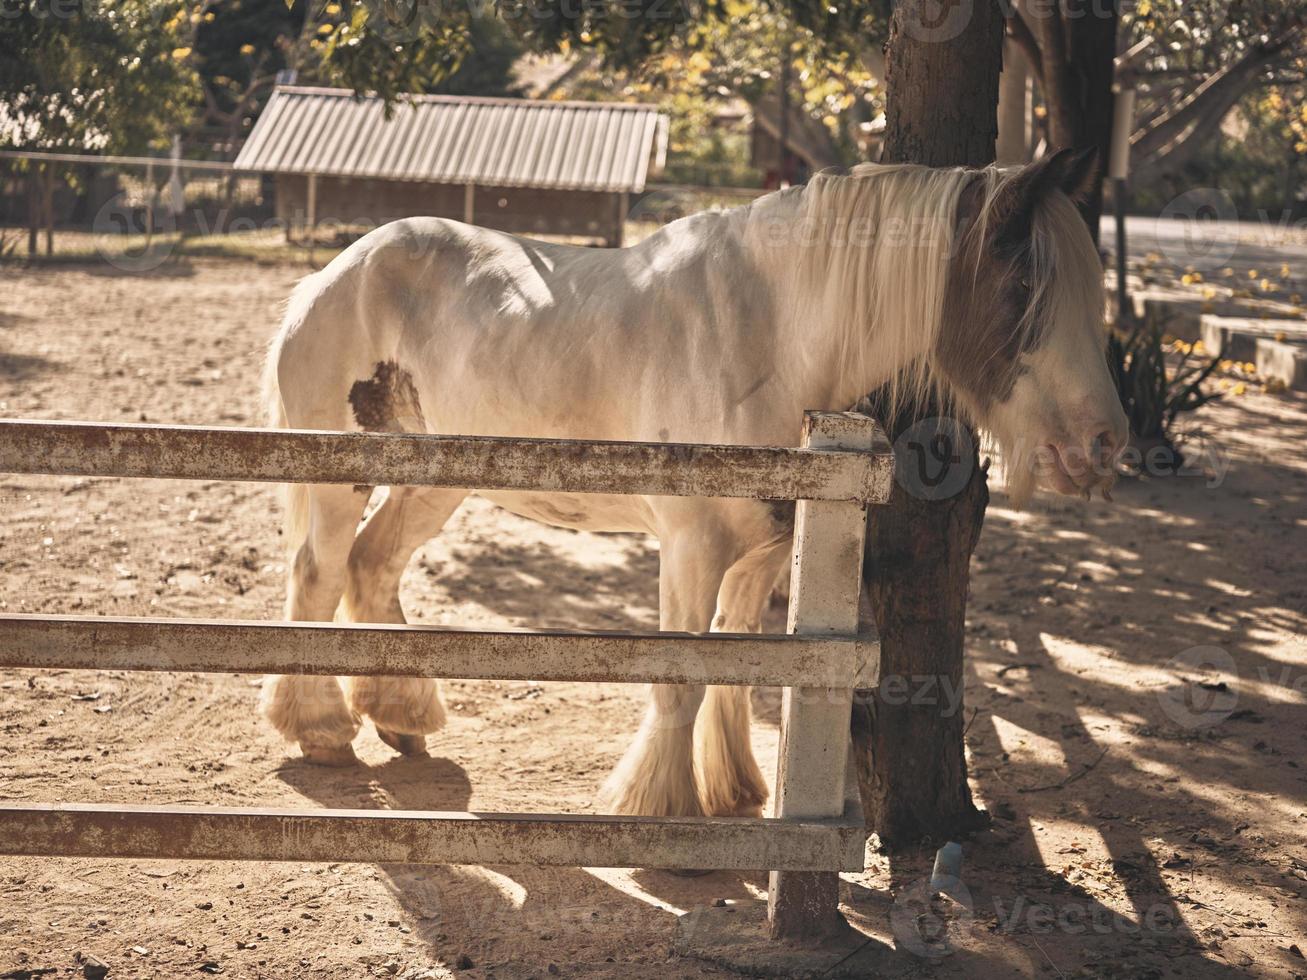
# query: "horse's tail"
294, 496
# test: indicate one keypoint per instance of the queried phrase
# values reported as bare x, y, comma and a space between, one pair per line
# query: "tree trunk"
942, 99
1013, 107
1091, 52
33, 209
47, 206
1173, 138
1211, 100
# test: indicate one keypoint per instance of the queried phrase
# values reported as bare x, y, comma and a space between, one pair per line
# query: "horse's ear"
1070, 171
1078, 172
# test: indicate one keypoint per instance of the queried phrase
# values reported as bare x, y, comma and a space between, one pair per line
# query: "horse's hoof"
336, 756
403, 743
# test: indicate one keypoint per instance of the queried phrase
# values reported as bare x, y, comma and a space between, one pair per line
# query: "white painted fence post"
814, 750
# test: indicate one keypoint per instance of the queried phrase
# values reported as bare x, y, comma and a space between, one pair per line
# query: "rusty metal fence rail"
816, 829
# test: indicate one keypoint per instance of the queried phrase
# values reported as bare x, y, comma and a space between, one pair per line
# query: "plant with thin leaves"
1153, 395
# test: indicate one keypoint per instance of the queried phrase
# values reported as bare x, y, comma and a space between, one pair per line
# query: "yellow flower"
1249, 367
1284, 271
1227, 271
247, 49
324, 28
180, 53
1240, 388
1198, 347
1266, 286
1252, 273
332, 9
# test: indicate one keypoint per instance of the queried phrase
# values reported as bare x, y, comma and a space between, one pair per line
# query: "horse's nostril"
1105, 446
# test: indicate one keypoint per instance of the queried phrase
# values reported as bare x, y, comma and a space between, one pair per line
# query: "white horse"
719, 328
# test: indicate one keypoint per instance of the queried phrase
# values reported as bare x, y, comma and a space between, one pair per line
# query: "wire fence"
136, 213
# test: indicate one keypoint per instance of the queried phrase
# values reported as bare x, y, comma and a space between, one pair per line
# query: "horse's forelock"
1004, 294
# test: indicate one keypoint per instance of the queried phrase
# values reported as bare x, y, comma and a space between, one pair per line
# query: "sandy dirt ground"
1149, 801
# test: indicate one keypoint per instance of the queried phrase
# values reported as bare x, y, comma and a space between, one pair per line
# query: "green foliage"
106, 75
733, 56
1153, 396
628, 33
384, 46
486, 67
1201, 36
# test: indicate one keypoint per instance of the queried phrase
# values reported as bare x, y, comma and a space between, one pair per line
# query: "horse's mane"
874, 248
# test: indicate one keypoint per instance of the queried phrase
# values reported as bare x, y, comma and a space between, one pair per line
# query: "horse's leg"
404, 709
311, 709
732, 783
656, 775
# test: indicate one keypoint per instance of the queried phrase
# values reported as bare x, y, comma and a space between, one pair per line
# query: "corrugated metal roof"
594, 146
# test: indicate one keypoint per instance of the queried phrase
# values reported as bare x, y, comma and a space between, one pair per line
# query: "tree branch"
1059, 93
1211, 100
1020, 32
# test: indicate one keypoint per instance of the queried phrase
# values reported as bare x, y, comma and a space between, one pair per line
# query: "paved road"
1212, 245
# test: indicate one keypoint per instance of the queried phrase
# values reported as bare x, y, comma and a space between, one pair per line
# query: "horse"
981, 286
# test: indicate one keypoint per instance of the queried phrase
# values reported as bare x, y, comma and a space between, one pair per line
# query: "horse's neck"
832, 320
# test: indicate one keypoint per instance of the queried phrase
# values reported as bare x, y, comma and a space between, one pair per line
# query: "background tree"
241, 48
1201, 58
102, 75
1206, 57
942, 110
110, 76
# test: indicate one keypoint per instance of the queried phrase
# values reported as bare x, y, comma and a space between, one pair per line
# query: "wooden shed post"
312, 217
619, 220
469, 198
814, 750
